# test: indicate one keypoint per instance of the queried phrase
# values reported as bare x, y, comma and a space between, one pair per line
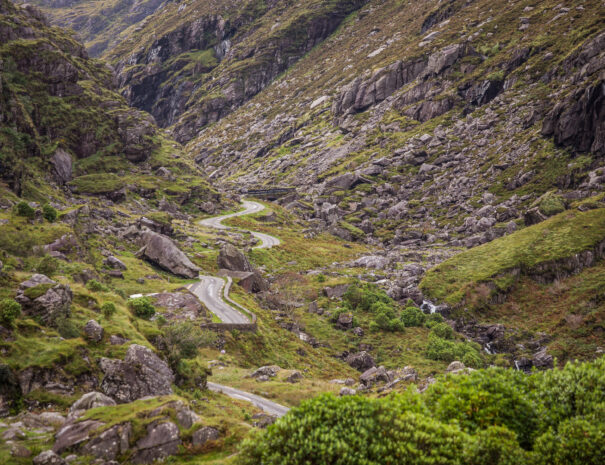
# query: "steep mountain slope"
98, 24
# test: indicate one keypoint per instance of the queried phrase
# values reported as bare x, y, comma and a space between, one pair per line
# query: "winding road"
210, 288
265, 405
210, 291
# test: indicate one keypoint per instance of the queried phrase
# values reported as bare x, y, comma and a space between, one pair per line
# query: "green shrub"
354, 430
443, 330
321, 278
491, 397
551, 204
95, 286
23, 209
413, 316
108, 309
49, 213
183, 340
577, 442
9, 311
496, 445
432, 319
142, 307
385, 317
448, 351
48, 265
363, 296
67, 328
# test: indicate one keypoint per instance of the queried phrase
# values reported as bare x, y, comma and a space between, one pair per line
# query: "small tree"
108, 309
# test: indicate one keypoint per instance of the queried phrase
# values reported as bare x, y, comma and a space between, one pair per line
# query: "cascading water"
428, 306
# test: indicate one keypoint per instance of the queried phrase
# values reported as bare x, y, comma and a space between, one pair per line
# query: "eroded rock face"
42, 297
161, 441
110, 443
62, 166
141, 373
230, 258
161, 251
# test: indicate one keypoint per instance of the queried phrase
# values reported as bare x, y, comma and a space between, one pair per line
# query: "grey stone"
92, 400
62, 166
49, 306
361, 361
115, 263
48, 457
161, 441
230, 258
93, 331
203, 435
161, 251
141, 373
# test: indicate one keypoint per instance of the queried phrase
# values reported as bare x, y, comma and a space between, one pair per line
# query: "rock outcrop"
42, 297
161, 251
140, 374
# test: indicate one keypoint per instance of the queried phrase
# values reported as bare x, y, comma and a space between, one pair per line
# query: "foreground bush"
489, 417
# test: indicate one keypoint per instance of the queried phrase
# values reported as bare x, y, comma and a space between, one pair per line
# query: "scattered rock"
335, 292
269, 371
345, 321
262, 420
91, 400
142, 373
346, 391
203, 435
294, 377
48, 457
93, 331
361, 361
115, 263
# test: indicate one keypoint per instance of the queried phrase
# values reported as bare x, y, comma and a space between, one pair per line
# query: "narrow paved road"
265, 405
210, 291
216, 222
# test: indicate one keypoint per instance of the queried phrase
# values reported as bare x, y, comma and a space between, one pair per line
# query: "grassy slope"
555, 239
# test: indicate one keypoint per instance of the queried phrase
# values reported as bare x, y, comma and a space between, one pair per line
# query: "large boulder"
161, 441
48, 457
110, 443
178, 305
42, 297
161, 251
269, 371
230, 258
62, 166
141, 373
361, 361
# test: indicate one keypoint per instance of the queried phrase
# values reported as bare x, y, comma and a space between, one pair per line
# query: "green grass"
496, 263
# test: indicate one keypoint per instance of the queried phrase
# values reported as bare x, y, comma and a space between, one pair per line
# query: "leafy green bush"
495, 445
385, 317
9, 311
432, 319
491, 397
363, 295
142, 307
448, 351
48, 265
23, 209
354, 430
495, 416
95, 286
577, 442
49, 213
413, 316
443, 330
108, 309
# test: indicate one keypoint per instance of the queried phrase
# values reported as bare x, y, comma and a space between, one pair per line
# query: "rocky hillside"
441, 237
